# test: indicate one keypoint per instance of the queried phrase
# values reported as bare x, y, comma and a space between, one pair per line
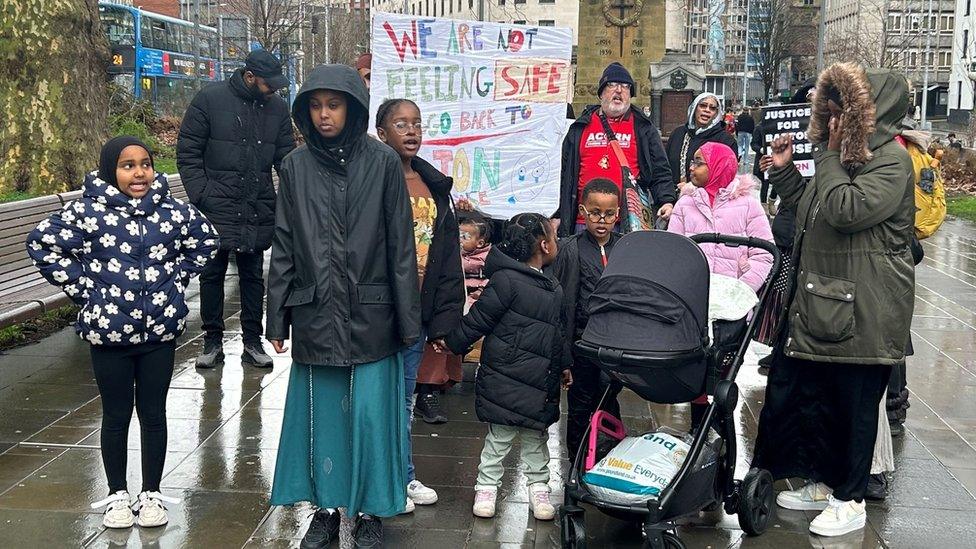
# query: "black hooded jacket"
520, 315
442, 294
228, 142
655, 178
343, 275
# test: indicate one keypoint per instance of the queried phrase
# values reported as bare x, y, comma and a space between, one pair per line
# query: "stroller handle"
736, 241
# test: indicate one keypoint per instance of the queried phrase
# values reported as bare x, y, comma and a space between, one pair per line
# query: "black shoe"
368, 532
254, 355
322, 531
429, 408
877, 487
897, 429
212, 356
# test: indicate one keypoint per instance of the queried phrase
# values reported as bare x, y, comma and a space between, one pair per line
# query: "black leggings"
120, 371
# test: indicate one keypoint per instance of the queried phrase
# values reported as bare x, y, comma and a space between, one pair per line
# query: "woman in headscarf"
705, 125
343, 288
853, 293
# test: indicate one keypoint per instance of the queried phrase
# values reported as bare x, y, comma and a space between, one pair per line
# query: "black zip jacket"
227, 144
343, 275
442, 295
655, 175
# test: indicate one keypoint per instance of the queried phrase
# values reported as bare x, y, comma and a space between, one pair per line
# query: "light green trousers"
535, 454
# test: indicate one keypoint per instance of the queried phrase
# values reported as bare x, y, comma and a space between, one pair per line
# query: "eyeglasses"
596, 216
402, 128
695, 163
618, 85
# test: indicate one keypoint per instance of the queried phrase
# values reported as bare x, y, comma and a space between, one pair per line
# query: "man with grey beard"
587, 152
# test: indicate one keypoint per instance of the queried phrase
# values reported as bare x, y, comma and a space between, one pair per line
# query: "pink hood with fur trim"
735, 212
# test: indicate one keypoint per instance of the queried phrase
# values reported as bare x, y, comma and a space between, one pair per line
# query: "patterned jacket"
126, 261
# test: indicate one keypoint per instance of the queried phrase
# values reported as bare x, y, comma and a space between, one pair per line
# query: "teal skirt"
344, 440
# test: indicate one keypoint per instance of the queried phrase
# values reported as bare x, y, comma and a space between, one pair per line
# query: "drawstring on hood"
335, 152
722, 168
693, 128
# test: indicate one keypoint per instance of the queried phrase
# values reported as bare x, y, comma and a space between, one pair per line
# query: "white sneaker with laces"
119, 512
409, 508
839, 518
812, 497
539, 503
484, 501
420, 494
151, 510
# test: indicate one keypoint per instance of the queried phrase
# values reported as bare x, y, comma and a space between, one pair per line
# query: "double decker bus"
154, 55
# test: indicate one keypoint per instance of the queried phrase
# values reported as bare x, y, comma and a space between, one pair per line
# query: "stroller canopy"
652, 297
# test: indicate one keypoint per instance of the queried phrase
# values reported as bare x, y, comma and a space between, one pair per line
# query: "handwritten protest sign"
790, 119
492, 97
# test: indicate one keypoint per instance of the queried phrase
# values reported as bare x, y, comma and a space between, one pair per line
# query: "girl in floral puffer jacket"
125, 252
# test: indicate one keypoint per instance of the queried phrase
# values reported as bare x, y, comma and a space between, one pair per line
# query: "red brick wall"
165, 7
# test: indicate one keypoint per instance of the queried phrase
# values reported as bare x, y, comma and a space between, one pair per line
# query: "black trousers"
250, 269
589, 384
141, 373
766, 190
820, 421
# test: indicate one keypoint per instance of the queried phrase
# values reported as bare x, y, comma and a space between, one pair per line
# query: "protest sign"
789, 119
492, 98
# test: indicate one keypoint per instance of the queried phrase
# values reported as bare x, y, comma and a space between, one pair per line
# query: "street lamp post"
925, 78
745, 60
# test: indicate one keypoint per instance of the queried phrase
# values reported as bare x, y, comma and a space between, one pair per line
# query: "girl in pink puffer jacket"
718, 201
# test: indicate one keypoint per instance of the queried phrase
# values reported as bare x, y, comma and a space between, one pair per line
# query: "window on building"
519, 22
501, 2
547, 1
968, 2
894, 22
470, 4
945, 59
947, 24
443, 11
519, 1
959, 84
965, 43
547, 23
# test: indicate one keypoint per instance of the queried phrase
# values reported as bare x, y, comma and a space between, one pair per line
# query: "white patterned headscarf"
692, 127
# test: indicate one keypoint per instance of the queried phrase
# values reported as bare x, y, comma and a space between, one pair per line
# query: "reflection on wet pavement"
224, 426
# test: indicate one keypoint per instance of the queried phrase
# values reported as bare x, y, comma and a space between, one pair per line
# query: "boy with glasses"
578, 267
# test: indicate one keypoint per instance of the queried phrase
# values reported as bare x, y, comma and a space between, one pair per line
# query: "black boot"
368, 532
428, 407
877, 487
212, 356
322, 531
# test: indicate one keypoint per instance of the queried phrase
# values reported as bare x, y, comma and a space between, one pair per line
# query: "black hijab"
108, 160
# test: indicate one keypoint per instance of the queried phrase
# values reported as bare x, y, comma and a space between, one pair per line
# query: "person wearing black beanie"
615, 72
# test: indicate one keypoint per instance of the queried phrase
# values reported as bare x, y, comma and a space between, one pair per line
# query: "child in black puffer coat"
522, 359
125, 251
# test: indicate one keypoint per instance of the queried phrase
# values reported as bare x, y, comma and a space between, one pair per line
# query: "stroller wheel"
756, 503
572, 530
669, 541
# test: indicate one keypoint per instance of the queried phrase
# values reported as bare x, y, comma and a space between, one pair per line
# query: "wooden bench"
24, 293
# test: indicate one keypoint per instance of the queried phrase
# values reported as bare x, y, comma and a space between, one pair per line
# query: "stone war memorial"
629, 31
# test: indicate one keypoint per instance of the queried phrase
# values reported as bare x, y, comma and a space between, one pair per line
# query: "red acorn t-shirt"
597, 159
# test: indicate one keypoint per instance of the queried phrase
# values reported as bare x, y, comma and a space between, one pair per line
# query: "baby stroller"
648, 328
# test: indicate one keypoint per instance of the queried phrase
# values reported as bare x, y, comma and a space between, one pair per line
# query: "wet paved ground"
224, 427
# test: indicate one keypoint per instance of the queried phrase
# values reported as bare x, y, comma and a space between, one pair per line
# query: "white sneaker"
151, 510
539, 503
420, 494
409, 507
839, 518
119, 512
484, 501
812, 497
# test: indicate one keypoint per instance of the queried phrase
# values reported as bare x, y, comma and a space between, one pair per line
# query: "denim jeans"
412, 356
745, 139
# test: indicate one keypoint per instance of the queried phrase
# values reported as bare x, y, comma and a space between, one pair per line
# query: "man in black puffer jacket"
232, 134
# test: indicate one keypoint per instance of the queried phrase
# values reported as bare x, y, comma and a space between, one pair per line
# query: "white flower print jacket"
126, 261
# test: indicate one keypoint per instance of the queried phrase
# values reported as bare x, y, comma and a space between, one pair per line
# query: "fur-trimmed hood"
874, 102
